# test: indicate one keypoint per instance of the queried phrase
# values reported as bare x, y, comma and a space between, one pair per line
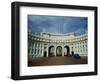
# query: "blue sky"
57, 24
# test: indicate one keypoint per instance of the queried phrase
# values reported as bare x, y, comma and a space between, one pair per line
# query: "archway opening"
66, 51
45, 53
59, 51
51, 51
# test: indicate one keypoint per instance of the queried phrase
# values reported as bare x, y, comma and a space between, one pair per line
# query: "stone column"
47, 51
33, 49
30, 49
62, 50
70, 48
37, 50
55, 50
42, 49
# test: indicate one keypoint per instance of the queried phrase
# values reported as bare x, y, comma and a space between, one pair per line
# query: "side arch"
51, 51
66, 51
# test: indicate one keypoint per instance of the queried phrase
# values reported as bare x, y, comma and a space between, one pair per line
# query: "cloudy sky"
57, 24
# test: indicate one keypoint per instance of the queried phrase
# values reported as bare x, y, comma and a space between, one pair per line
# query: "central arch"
59, 51
66, 51
51, 51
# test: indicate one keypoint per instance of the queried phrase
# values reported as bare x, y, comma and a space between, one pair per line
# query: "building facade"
47, 44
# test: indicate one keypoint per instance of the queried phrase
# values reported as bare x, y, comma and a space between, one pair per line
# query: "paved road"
58, 60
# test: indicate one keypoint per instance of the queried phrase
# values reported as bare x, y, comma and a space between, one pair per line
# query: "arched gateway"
66, 50
58, 51
51, 51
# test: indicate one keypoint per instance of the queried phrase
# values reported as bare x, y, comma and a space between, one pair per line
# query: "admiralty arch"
48, 44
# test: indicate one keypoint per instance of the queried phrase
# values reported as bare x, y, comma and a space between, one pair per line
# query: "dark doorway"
59, 51
51, 51
67, 51
72, 53
45, 53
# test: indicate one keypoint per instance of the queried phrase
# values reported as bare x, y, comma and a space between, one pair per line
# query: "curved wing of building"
47, 44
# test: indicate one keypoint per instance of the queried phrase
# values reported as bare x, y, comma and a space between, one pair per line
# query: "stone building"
48, 44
